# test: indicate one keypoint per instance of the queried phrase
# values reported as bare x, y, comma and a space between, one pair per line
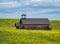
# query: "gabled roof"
35, 21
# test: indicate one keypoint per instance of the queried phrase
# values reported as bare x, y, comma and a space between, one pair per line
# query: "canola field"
10, 35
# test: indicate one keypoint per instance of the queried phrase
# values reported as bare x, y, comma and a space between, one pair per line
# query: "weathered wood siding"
36, 26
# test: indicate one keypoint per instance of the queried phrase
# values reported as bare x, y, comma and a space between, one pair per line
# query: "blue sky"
33, 8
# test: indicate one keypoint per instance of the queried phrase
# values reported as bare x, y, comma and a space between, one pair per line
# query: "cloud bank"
33, 8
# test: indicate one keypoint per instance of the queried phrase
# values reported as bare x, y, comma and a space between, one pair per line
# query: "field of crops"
10, 35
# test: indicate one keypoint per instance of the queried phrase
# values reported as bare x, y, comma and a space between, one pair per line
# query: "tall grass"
10, 35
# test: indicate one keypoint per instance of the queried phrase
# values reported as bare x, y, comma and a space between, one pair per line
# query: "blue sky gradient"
33, 8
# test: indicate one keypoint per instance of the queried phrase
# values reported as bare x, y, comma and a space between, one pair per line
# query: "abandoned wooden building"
33, 23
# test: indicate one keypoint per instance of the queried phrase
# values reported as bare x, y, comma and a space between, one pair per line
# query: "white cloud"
35, 0
24, 3
9, 4
50, 0
30, 7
